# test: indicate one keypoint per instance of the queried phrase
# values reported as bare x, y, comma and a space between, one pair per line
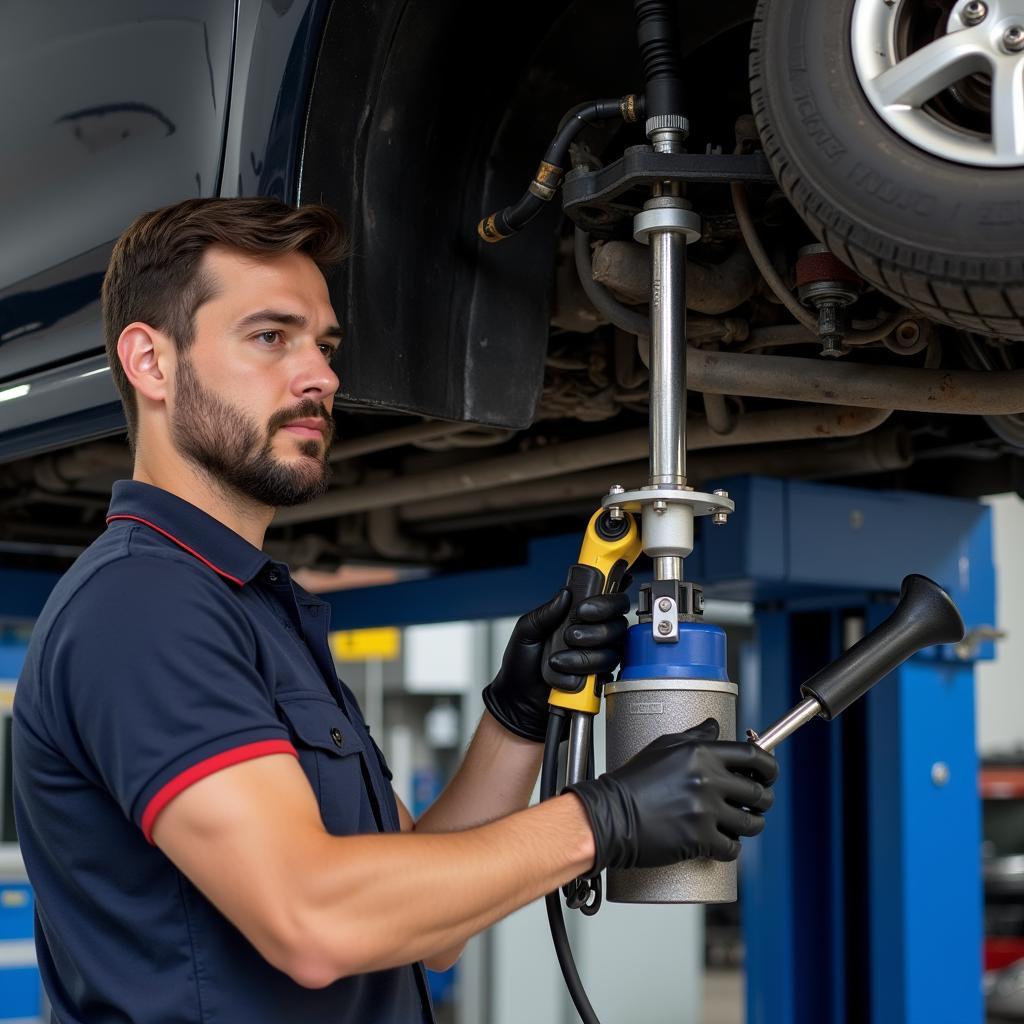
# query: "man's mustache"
308, 409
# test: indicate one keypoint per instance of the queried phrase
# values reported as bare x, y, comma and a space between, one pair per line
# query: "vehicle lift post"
882, 922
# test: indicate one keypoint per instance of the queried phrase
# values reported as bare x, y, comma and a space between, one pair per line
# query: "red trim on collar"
181, 544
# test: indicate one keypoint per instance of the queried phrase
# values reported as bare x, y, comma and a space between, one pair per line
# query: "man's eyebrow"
274, 316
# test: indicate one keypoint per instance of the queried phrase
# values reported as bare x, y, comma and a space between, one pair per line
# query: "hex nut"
974, 13
1013, 38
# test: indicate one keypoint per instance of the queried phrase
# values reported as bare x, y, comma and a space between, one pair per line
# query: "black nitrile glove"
518, 696
684, 795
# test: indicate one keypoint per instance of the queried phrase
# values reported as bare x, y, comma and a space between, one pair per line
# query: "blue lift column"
862, 900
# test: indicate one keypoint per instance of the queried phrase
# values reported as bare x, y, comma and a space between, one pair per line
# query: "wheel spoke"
1008, 108
925, 73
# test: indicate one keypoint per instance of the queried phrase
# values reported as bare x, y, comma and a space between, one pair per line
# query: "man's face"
253, 394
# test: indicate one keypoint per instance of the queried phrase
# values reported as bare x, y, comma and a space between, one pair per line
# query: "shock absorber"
674, 668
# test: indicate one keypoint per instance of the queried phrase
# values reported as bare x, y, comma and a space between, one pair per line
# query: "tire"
941, 237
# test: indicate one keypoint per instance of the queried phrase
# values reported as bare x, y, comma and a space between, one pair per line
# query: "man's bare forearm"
373, 902
497, 777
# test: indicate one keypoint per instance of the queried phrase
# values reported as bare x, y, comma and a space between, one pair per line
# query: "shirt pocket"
331, 753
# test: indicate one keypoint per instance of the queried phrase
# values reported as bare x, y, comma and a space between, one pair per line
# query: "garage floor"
723, 997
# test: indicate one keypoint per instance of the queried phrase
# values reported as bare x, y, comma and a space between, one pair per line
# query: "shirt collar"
215, 545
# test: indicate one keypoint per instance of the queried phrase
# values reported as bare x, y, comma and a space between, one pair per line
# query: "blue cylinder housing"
699, 653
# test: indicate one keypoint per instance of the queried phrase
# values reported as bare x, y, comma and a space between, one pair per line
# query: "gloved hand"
518, 696
682, 796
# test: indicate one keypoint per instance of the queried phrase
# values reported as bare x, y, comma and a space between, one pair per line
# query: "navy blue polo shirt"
171, 649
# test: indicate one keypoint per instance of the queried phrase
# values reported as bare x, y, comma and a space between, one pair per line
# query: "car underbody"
493, 393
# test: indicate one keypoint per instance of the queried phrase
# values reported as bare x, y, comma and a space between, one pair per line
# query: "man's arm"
500, 768
497, 777
322, 907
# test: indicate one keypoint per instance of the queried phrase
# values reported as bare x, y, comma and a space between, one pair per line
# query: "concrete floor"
723, 997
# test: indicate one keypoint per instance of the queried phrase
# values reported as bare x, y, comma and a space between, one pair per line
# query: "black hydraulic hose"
656, 38
552, 902
549, 174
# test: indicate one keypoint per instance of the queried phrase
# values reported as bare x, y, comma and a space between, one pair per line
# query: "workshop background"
492, 392
420, 688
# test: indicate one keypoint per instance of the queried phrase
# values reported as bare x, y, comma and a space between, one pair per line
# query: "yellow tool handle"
609, 548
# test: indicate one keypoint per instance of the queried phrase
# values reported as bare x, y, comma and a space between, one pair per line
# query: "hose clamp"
488, 230
546, 181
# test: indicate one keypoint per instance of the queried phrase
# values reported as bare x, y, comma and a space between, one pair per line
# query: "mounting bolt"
664, 628
615, 514
665, 604
830, 330
1013, 38
720, 518
974, 13
940, 773
660, 506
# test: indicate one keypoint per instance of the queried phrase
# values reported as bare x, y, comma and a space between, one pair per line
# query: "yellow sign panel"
380, 644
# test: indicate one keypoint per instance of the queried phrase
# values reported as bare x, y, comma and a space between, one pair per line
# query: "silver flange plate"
702, 504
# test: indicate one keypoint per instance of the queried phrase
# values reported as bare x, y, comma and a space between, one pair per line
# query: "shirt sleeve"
153, 684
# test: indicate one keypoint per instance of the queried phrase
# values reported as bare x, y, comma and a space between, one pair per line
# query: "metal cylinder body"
668, 688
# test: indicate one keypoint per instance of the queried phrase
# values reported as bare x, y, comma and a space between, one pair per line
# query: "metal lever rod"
787, 725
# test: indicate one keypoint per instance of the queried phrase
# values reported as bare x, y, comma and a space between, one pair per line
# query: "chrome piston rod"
668, 359
668, 225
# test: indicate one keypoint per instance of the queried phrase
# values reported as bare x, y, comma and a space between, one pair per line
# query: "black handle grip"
925, 615
584, 581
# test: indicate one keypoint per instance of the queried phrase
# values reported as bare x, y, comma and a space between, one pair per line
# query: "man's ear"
146, 355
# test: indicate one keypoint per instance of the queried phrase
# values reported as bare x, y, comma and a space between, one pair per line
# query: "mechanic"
208, 824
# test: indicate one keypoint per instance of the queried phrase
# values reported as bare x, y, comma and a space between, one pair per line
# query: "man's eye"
269, 336
329, 351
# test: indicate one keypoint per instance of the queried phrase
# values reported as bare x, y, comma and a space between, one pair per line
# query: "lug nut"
1013, 38
974, 13
664, 628
665, 604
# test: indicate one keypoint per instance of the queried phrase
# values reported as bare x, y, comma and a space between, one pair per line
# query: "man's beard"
227, 444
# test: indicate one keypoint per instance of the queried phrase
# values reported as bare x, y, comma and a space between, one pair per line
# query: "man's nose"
315, 378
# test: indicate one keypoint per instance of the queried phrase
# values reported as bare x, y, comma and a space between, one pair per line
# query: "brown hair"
154, 275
